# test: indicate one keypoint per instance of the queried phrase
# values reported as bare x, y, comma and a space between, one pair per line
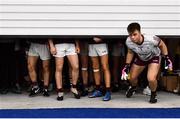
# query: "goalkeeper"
146, 50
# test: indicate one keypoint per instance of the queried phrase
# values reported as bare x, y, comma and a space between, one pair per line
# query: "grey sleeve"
156, 40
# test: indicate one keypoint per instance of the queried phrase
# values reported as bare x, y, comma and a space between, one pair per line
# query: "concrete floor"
22, 101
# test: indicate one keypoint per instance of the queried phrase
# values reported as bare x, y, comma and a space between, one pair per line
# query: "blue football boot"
96, 93
107, 96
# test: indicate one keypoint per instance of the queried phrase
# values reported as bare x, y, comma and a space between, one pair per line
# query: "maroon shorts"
139, 62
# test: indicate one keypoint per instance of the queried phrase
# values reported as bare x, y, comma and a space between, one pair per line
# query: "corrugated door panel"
88, 17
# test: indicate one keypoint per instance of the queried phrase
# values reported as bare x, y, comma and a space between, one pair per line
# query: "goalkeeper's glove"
125, 72
167, 63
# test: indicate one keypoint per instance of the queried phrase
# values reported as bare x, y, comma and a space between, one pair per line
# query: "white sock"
60, 94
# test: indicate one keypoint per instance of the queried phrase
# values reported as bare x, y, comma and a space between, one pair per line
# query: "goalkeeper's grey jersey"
148, 49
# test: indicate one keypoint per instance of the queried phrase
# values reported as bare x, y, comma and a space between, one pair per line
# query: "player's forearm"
51, 44
163, 48
129, 57
77, 43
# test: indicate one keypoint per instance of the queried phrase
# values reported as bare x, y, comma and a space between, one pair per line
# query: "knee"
132, 78
152, 79
31, 68
105, 68
46, 68
75, 68
59, 68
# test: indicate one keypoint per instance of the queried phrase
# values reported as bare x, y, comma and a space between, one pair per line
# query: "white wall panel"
88, 17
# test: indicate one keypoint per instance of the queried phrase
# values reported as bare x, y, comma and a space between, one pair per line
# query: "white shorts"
98, 49
118, 50
39, 50
65, 49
